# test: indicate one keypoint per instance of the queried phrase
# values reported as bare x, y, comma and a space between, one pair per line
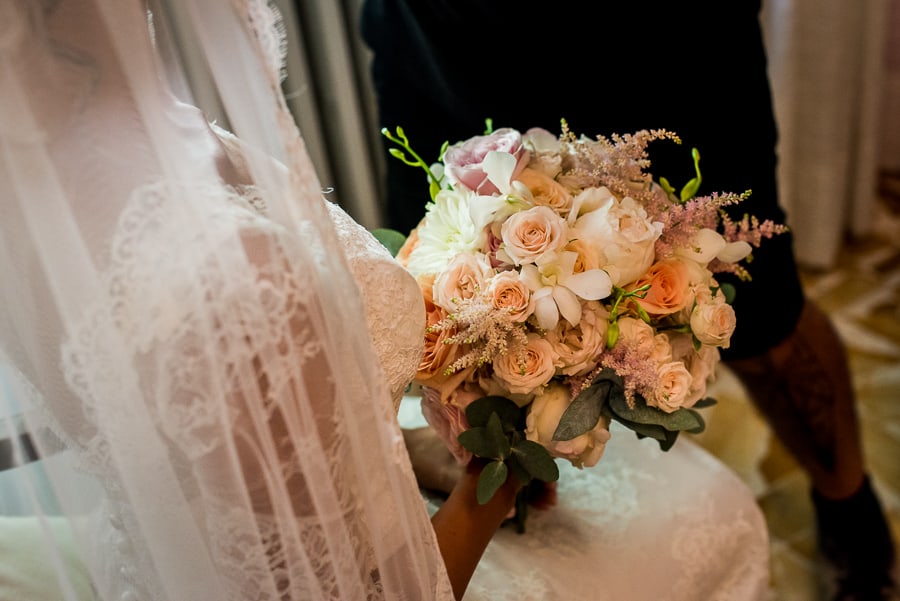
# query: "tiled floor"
862, 294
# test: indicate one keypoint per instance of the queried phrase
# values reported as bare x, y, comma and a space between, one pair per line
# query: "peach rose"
713, 322
588, 256
509, 293
527, 368
671, 391
437, 354
669, 287
464, 278
529, 234
546, 191
543, 418
408, 245
578, 347
702, 366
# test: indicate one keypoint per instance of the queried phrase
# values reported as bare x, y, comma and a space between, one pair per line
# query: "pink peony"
463, 161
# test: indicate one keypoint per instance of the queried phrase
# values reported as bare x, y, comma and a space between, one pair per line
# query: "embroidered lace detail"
189, 365
267, 23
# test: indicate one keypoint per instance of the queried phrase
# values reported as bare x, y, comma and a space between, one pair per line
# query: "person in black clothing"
441, 67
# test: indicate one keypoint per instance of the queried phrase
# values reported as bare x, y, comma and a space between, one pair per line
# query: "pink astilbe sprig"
682, 221
749, 229
619, 162
485, 331
634, 364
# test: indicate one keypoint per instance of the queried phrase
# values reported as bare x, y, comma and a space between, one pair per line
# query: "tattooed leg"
804, 389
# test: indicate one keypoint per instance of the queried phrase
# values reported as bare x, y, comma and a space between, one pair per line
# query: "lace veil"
182, 345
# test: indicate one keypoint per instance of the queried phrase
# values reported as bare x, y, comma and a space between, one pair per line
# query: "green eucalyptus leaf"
479, 411
729, 291
705, 402
582, 414
478, 442
654, 431
497, 436
701, 423
517, 469
492, 477
680, 419
390, 239
585, 410
536, 460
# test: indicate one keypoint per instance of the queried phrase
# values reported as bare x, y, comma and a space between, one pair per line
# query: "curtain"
827, 66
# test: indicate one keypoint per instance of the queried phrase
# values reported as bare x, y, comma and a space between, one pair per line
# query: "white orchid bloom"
709, 244
514, 196
556, 289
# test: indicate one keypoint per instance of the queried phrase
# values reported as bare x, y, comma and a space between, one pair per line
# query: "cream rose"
713, 322
509, 293
543, 419
464, 278
528, 235
672, 388
626, 235
527, 368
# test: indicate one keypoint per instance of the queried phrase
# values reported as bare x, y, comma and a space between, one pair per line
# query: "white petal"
734, 251
499, 167
531, 276
593, 284
706, 244
568, 304
546, 312
483, 208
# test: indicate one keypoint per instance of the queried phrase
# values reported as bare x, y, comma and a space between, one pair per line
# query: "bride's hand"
438, 471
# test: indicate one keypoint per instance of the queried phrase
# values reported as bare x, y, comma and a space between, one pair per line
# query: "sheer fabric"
181, 335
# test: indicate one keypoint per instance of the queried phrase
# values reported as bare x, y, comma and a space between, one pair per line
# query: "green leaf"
729, 291
478, 441
518, 470
585, 410
641, 413
390, 239
497, 436
705, 402
492, 477
536, 460
511, 416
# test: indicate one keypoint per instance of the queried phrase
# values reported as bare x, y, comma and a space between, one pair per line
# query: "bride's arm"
464, 528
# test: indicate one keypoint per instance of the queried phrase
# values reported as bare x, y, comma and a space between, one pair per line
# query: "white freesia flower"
448, 231
709, 244
556, 288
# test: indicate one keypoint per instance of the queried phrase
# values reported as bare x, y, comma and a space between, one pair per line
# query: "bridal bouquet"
566, 288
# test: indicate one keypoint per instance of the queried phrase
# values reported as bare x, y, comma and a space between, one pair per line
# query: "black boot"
854, 536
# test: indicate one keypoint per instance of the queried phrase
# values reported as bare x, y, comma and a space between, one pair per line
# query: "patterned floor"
862, 295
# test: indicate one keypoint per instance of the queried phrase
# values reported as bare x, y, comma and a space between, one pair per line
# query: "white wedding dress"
206, 354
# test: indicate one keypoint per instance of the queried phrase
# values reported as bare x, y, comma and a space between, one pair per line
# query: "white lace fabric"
190, 329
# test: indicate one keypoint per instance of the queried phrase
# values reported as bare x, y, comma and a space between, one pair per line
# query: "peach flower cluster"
545, 259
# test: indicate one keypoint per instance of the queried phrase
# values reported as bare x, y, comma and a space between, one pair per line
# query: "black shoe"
854, 536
